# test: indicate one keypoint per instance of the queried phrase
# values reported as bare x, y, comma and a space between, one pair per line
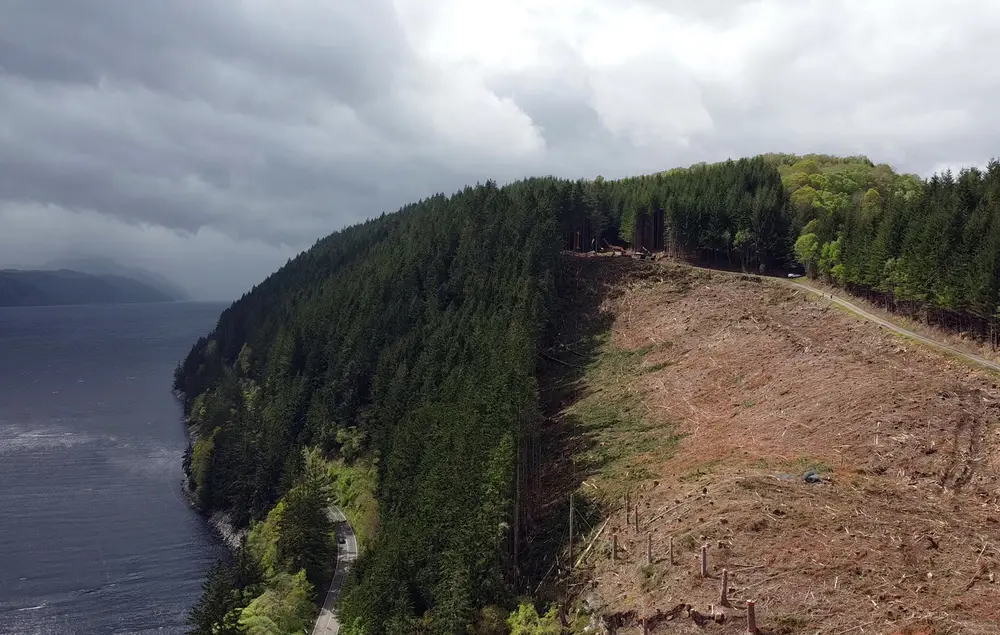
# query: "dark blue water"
95, 534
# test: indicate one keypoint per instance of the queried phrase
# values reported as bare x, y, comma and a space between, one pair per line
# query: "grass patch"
650, 577
655, 368
614, 414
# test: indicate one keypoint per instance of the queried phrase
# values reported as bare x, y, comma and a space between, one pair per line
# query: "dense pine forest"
391, 367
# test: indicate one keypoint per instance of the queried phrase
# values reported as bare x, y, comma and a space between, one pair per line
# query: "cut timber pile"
760, 382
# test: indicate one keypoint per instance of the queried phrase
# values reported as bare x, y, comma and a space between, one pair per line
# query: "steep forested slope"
410, 338
410, 341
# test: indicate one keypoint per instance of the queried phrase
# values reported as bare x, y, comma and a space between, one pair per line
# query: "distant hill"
46, 288
100, 266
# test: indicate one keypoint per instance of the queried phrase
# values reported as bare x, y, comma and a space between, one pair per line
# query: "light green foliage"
806, 166
353, 489
251, 397
285, 608
262, 540
930, 248
803, 199
830, 264
807, 252
812, 227
526, 621
907, 187
744, 242
871, 204
201, 462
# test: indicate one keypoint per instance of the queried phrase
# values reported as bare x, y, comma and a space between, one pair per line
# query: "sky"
211, 141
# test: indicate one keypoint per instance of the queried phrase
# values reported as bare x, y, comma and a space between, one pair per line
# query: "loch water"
95, 533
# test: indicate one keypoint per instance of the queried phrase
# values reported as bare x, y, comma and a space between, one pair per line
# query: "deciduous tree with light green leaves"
285, 608
830, 264
807, 252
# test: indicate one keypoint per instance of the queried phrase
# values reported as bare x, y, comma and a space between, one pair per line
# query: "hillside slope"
416, 349
100, 266
411, 342
708, 397
46, 288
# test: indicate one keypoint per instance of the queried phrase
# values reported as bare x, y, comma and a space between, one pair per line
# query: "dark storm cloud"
242, 116
213, 139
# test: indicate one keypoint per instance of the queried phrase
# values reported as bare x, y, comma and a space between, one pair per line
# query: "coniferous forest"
399, 356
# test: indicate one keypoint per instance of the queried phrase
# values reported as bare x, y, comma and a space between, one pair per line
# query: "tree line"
927, 248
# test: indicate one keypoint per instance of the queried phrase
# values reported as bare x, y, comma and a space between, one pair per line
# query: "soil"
730, 391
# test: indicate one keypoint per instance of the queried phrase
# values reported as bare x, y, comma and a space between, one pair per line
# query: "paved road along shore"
347, 552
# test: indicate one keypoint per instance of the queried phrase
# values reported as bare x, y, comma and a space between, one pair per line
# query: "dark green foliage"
304, 533
229, 587
218, 598
735, 211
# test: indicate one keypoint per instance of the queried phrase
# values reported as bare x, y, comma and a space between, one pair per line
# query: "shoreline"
219, 521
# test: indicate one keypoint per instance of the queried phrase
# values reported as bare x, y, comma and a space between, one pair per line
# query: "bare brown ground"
763, 382
961, 340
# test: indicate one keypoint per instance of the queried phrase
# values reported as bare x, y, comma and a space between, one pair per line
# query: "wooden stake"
724, 593
649, 548
751, 618
636, 519
571, 530
671, 551
628, 510
704, 561
614, 548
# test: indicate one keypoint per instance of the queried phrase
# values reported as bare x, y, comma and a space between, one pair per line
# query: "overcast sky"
212, 139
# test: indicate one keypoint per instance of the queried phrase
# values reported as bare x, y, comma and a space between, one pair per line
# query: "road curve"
347, 552
850, 306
